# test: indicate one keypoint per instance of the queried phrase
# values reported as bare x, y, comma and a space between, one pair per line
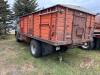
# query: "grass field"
15, 59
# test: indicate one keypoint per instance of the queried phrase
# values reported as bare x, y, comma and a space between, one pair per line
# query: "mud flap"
47, 49
97, 43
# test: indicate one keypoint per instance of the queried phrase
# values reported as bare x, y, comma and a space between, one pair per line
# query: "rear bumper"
96, 33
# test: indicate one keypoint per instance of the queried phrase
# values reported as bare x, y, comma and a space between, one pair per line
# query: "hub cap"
85, 45
33, 49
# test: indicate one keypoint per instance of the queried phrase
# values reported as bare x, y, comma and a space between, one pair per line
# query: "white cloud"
10, 1
93, 5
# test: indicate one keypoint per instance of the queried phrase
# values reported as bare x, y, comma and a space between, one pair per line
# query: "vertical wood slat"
64, 27
56, 24
60, 27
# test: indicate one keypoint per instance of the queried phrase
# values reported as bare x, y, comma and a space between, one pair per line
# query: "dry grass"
15, 59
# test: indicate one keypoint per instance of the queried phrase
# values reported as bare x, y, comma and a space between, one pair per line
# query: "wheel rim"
33, 49
85, 46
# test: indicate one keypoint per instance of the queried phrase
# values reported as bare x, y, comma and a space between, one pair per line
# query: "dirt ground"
8, 56
15, 59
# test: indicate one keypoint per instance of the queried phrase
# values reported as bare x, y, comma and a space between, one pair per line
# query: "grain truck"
95, 43
55, 28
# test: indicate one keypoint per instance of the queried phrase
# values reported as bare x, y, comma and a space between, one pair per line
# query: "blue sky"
93, 5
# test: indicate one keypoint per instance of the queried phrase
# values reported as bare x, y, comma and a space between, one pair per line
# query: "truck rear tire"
35, 48
88, 46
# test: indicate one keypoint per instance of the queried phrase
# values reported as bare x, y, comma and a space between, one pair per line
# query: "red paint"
56, 24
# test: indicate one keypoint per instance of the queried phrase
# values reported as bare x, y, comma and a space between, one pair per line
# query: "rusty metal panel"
45, 31
36, 25
97, 22
25, 26
30, 24
45, 26
79, 26
97, 27
59, 24
53, 26
97, 19
68, 27
89, 26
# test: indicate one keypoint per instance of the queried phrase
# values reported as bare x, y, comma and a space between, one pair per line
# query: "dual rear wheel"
39, 49
35, 48
95, 44
88, 45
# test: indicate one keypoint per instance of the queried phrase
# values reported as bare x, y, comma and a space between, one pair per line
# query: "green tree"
5, 17
22, 7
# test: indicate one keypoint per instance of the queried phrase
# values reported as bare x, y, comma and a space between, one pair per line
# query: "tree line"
8, 14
